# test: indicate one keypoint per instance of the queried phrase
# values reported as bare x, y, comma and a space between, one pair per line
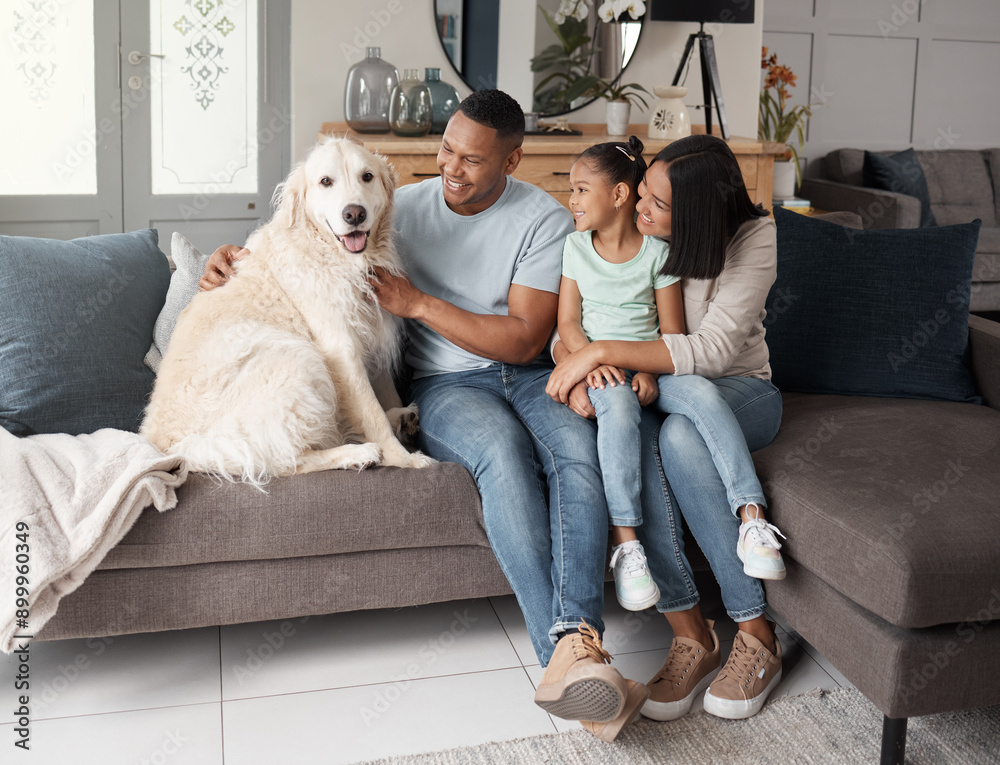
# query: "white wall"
328, 36
892, 73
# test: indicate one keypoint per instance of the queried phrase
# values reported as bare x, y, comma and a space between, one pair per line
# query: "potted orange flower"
776, 122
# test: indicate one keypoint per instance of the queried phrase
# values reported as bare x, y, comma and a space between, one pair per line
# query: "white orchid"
636, 8
576, 9
611, 10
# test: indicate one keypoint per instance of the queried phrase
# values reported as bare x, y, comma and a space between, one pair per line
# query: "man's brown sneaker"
637, 693
743, 685
578, 684
688, 670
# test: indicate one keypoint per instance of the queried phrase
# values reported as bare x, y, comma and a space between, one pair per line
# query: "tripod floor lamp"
704, 12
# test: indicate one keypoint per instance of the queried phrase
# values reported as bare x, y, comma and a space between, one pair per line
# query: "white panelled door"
185, 126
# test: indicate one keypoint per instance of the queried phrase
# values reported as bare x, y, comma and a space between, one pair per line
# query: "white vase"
784, 179
617, 117
669, 118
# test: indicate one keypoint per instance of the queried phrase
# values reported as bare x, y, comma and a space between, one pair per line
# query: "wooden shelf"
547, 158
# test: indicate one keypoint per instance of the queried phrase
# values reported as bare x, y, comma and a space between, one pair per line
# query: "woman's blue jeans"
680, 472
535, 463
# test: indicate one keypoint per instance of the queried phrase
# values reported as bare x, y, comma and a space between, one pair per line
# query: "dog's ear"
389, 176
389, 179
289, 197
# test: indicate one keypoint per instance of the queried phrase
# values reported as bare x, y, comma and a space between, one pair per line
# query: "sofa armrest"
877, 208
984, 344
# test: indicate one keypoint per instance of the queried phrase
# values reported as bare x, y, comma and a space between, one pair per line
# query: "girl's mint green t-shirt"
618, 298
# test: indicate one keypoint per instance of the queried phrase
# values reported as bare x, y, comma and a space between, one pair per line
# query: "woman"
715, 379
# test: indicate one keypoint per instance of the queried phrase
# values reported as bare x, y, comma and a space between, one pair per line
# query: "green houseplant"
776, 121
568, 63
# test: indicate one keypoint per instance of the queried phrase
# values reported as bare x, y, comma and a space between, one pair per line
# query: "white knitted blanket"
65, 501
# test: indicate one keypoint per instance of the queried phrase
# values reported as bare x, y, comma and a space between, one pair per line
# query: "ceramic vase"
444, 99
366, 93
669, 118
617, 117
784, 179
410, 110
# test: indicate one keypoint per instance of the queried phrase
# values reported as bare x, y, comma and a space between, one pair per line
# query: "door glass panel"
203, 96
49, 131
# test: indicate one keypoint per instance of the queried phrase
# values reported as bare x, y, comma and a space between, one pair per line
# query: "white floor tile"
820, 659
191, 735
364, 647
509, 613
799, 672
353, 724
98, 675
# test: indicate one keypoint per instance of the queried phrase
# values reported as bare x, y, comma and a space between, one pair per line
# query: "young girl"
613, 288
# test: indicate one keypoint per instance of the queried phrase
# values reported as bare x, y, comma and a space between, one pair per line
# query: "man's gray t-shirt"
471, 261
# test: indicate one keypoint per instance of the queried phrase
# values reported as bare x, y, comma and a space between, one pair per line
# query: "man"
482, 251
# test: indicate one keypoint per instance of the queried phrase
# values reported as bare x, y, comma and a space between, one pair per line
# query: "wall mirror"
511, 44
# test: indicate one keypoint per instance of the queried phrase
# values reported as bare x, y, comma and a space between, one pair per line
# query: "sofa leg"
893, 740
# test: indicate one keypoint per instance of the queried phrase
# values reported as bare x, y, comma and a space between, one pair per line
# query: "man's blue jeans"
618, 449
680, 473
546, 518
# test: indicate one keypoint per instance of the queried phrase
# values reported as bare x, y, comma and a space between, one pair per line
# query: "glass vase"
367, 93
444, 99
410, 110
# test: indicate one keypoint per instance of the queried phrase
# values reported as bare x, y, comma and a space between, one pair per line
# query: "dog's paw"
364, 456
420, 460
405, 422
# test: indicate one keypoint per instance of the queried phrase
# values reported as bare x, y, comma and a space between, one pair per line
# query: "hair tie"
626, 152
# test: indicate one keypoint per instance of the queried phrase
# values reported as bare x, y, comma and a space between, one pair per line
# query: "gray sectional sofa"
889, 506
963, 185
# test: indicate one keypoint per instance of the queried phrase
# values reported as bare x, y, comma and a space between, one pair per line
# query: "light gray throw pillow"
189, 265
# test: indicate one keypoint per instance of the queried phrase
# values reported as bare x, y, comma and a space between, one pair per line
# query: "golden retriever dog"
287, 367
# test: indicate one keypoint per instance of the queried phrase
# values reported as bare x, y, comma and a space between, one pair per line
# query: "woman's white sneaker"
634, 585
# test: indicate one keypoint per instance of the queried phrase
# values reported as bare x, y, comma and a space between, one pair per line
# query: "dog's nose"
355, 214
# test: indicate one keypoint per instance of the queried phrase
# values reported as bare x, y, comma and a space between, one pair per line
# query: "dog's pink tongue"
355, 242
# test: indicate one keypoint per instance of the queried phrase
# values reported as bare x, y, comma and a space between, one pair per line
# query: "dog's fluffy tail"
234, 458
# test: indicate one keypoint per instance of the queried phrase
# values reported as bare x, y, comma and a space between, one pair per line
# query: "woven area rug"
821, 727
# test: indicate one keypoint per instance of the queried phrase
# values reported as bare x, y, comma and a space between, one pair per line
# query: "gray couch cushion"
960, 186
334, 511
864, 488
845, 166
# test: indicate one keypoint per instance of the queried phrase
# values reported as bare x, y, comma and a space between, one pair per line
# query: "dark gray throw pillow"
903, 174
883, 312
77, 320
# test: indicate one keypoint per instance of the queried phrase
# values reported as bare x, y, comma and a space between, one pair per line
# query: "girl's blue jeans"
618, 449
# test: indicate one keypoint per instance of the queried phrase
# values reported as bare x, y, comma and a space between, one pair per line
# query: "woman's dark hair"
495, 109
618, 162
709, 203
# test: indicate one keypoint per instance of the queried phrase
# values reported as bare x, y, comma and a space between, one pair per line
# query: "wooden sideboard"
547, 158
